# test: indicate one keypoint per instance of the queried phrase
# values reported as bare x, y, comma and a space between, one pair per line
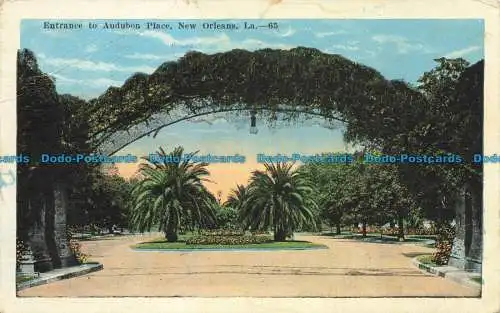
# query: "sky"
85, 62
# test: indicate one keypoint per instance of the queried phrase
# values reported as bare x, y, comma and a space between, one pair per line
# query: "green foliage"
172, 193
221, 232
415, 219
164, 245
452, 123
227, 240
21, 247
426, 259
226, 217
335, 188
444, 244
279, 197
236, 197
47, 123
370, 193
39, 120
100, 199
75, 246
300, 77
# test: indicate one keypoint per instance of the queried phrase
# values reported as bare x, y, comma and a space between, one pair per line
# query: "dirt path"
347, 269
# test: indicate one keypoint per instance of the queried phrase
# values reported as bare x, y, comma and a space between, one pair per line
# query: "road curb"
71, 272
455, 274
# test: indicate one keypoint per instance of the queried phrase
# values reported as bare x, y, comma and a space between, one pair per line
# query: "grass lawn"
23, 278
426, 259
478, 280
378, 237
426, 237
181, 245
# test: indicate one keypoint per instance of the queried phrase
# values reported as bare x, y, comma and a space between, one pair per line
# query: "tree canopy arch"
301, 80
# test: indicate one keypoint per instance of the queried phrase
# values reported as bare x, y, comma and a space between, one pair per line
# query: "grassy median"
162, 244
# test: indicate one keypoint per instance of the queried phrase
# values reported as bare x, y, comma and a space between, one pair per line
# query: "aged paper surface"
249, 83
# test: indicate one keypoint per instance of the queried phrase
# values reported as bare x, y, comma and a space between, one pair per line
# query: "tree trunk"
171, 231
364, 229
279, 234
474, 251
338, 228
171, 236
457, 255
401, 232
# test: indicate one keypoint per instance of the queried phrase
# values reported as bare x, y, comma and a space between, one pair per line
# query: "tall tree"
170, 191
39, 120
279, 197
236, 197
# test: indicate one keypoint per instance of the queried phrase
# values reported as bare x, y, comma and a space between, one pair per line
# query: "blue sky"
86, 62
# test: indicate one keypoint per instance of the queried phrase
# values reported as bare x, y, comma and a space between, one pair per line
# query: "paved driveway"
347, 269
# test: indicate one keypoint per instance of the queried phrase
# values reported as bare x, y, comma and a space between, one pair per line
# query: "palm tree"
279, 197
236, 197
172, 192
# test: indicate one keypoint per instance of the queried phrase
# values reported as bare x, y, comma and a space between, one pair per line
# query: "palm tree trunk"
279, 234
171, 231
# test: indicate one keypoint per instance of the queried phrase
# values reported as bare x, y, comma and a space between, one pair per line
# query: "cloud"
370, 53
147, 56
87, 65
209, 44
350, 46
103, 82
254, 44
462, 52
169, 40
328, 34
92, 83
212, 131
91, 48
403, 45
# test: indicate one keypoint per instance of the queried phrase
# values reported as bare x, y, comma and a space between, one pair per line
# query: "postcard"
249, 156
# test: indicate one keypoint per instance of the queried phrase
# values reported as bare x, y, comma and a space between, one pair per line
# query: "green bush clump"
75, 246
227, 240
21, 247
444, 244
222, 232
259, 232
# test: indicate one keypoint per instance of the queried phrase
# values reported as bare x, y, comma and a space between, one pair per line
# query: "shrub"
227, 240
421, 231
75, 246
21, 247
426, 259
222, 232
390, 231
259, 232
444, 244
